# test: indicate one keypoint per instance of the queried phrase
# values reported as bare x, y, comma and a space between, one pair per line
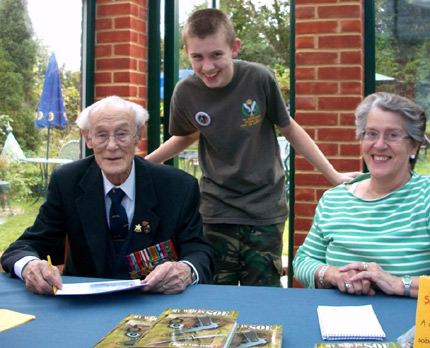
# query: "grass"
11, 227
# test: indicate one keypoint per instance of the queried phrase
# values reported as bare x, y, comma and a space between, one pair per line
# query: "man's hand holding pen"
40, 279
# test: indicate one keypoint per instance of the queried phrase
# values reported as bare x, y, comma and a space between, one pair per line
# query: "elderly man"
156, 204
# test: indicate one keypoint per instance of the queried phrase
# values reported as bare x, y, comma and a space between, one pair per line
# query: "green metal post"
90, 33
171, 62
154, 59
369, 47
369, 52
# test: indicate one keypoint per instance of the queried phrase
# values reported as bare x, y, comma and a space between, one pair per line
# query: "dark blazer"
167, 200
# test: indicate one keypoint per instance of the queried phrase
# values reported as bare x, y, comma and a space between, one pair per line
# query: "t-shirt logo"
203, 119
251, 111
250, 108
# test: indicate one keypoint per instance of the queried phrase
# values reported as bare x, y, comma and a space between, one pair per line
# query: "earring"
412, 157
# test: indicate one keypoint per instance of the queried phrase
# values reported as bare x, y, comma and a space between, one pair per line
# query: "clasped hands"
360, 278
167, 278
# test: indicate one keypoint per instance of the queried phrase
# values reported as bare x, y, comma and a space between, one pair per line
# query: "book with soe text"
191, 328
127, 332
261, 336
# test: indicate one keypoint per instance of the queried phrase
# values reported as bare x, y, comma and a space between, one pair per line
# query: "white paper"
349, 323
99, 287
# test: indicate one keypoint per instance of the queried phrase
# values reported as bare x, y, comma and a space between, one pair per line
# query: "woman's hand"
344, 280
373, 273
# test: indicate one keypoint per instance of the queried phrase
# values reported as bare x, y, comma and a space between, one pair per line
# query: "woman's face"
386, 146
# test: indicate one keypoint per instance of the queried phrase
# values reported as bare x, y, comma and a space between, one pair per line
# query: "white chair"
71, 151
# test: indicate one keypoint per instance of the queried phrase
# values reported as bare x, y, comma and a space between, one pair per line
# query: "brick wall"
121, 52
329, 85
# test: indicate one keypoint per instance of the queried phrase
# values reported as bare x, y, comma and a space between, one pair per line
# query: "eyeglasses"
122, 138
390, 137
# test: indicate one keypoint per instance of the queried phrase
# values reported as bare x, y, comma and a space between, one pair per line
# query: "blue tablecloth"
81, 321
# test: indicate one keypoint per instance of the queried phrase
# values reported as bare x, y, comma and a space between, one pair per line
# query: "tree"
18, 54
403, 48
71, 84
10, 82
263, 30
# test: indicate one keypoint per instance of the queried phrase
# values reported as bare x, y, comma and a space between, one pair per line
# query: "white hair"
140, 114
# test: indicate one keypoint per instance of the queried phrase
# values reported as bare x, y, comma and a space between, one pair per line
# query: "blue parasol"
181, 74
50, 113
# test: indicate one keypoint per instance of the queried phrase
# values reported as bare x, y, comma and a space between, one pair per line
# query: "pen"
54, 288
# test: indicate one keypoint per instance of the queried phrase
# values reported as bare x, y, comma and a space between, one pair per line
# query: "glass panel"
402, 46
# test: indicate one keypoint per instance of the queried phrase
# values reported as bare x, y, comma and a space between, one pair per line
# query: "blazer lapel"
145, 221
91, 209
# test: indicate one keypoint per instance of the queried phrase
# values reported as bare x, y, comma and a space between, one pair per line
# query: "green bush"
24, 178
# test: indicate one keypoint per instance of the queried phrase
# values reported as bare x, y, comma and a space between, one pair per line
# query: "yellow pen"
54, 288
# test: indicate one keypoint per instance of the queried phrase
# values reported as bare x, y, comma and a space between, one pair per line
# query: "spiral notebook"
349, 323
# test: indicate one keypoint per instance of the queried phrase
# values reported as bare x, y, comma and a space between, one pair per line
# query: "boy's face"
212, 58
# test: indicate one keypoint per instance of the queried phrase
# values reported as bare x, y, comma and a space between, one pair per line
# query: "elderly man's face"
112, 136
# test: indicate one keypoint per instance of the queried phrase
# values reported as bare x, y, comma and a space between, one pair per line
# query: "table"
81, 321
44, 169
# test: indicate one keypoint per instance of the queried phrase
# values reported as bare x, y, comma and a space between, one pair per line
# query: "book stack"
191, 328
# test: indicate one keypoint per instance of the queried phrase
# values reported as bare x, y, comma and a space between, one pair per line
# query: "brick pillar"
329, 85
121, 52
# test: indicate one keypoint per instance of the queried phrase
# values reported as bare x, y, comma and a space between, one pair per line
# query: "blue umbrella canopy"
50, 113
181, 74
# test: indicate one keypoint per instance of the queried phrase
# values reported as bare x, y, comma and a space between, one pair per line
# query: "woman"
374, 232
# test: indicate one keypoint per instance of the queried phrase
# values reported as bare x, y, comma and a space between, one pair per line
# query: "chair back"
71, 151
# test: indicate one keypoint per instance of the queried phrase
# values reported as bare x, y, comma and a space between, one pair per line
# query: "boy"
232, 106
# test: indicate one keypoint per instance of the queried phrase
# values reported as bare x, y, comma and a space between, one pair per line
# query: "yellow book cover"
191, 328
127, 331
422, 320
261, 336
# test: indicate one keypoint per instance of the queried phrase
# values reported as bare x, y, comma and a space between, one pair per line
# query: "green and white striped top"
393, 231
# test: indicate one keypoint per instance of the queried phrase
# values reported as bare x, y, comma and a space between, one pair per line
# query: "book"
349, 323
358, 345
127, 332
261, 336
191, 328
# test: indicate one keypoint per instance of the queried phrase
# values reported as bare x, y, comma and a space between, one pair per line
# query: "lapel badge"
146, 227
138, 228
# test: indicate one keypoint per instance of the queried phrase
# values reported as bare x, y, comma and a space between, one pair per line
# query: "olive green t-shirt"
243, 180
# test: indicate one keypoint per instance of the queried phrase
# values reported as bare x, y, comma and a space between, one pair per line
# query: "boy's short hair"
206, 22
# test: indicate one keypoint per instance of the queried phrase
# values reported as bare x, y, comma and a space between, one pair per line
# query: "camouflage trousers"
247, 255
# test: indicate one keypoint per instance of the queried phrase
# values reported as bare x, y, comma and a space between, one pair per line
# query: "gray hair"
413, 115
140, 114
